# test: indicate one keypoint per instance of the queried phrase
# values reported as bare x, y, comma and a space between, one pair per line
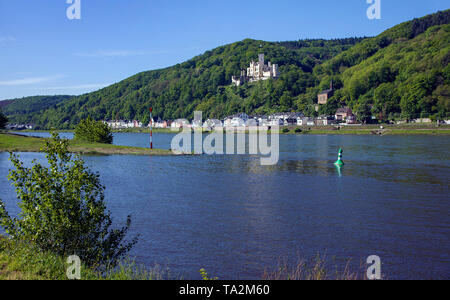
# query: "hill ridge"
307, 67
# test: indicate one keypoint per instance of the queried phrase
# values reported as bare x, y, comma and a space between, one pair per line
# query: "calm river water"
234, 217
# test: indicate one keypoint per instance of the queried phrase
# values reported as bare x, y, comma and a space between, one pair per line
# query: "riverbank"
20, 143
404, 129
378, 131
23, 262
20, 261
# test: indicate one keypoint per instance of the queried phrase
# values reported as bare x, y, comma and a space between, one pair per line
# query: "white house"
276, 122
326, 120
237, 120
212, 123
305, 121
197, 124
180, 123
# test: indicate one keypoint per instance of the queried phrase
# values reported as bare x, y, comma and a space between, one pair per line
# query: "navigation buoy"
340, 162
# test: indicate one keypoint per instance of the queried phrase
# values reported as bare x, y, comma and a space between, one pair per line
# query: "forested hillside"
202, 83
402, 73
22, 109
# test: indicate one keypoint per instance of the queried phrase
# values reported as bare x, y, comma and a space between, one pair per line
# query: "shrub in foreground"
93, 131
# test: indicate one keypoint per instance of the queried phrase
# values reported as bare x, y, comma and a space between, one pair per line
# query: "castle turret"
261, 60
275, 71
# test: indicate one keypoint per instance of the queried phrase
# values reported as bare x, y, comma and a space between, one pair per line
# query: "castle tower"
261, 60
275, 70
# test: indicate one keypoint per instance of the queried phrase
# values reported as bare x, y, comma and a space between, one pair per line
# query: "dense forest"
402, 73
20, 110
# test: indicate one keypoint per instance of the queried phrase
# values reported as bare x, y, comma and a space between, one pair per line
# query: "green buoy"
340, 162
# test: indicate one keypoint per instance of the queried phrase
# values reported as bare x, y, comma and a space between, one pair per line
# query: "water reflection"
399, 173
339, 170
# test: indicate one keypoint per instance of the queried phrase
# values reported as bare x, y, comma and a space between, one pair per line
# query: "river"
234, 217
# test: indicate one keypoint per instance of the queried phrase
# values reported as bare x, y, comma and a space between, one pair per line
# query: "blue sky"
42, 52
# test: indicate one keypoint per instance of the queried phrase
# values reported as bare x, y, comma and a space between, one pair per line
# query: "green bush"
285, 130
63, 209
3, 120
298, 130
93, 131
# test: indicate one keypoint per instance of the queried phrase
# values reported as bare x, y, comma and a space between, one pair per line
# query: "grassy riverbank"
406, 129
22, 262
20, 143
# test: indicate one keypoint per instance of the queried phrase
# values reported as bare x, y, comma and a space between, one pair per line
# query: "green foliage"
22, 110
363, 111
402, 71
22, 261
93, 131
63, 209
3, 120
205, 275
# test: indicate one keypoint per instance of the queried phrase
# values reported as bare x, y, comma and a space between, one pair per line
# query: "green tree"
63, 209
286, 101
385, 101
93, 131
363, 111
3, 120
330, 108
442, 95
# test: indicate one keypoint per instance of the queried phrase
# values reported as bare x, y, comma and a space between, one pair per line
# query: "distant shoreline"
20, 143
405, 129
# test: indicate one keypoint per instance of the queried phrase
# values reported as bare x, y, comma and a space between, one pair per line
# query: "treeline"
26, 109
402, 73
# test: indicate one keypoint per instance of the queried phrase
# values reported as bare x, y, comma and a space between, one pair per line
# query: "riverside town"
224, 149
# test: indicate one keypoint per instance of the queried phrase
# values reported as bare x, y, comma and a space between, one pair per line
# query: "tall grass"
20, 261
313, 270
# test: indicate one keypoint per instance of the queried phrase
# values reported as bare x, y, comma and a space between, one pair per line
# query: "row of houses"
343, 115
20, 126
121, 124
